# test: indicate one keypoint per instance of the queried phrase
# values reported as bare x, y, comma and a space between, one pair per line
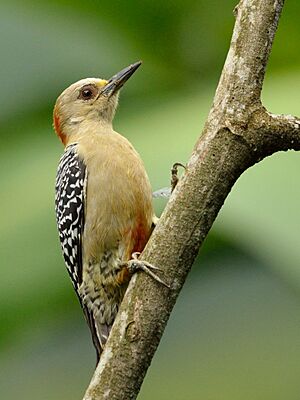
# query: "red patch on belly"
136, 240
140, 237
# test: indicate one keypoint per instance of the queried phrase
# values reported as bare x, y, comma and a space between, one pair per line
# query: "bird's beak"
117, 81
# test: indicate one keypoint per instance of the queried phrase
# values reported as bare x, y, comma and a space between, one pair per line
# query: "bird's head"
89, 99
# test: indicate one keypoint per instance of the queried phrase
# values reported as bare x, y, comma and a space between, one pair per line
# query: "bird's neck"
89, 127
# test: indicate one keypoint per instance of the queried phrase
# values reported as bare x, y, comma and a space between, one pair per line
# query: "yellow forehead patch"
102, 82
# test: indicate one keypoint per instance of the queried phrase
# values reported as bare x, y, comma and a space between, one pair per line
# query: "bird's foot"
135, 265
174, 175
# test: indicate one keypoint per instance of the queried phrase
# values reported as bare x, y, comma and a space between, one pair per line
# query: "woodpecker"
103, 200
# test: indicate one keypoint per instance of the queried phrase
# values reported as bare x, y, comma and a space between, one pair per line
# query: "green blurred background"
235, 331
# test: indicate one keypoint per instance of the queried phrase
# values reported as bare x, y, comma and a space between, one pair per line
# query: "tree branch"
238, 133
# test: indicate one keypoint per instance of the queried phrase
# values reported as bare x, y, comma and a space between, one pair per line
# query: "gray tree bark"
238, 133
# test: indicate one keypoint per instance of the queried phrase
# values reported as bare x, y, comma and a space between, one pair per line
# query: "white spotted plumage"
69, 207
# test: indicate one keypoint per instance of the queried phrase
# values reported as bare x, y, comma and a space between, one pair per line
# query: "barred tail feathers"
99, 332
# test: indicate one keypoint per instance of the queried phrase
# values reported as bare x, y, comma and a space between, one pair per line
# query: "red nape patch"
57, 127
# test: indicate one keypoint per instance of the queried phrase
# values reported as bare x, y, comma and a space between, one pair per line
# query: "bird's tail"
100, 332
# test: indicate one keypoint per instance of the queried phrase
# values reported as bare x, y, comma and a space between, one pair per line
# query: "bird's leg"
174, 175
135, 265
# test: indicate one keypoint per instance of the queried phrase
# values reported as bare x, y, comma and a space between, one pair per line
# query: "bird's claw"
135, 265
174, 175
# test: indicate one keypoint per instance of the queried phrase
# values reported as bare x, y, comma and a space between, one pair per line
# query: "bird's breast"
118, 201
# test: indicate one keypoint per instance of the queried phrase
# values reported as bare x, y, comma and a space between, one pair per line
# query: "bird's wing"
69, 207
70, 196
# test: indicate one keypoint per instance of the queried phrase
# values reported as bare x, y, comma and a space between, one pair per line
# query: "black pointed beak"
117, 81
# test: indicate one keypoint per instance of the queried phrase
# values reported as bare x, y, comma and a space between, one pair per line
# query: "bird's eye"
88, 92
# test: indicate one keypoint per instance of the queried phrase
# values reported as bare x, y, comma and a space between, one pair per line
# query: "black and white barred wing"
69, 207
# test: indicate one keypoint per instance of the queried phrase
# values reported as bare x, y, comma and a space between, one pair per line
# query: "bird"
103, 200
